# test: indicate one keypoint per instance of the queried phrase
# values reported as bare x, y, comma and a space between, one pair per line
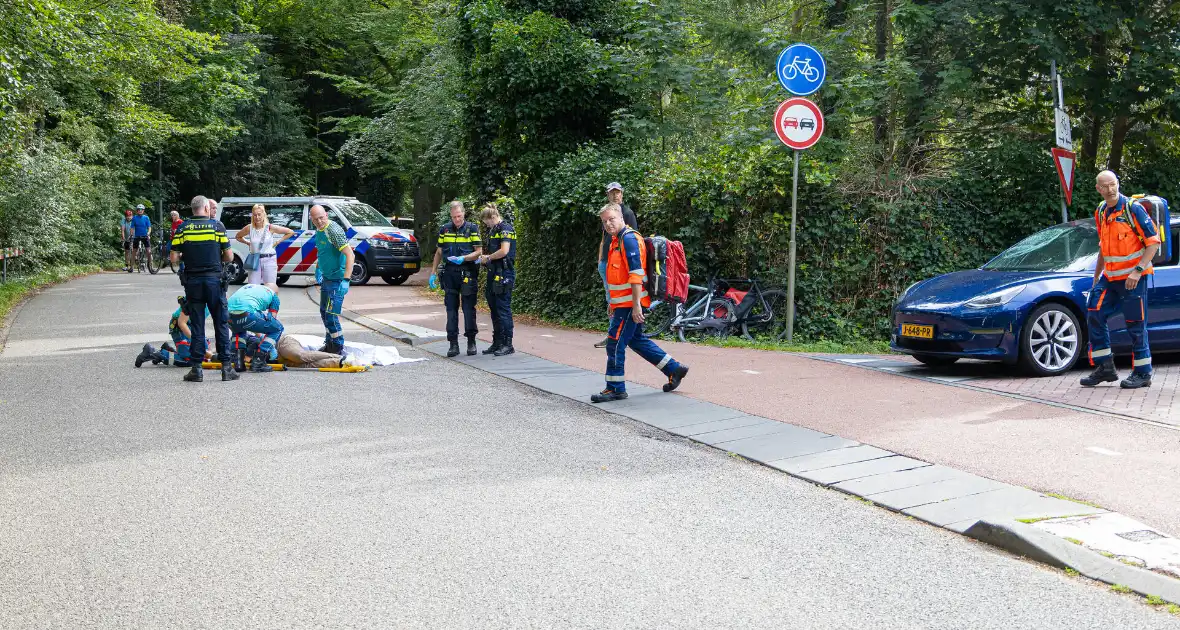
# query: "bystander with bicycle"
141, 230
126, 233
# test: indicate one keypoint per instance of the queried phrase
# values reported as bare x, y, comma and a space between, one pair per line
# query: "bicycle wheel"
716, 324
768, 317
175, 267
659, 318
152, 262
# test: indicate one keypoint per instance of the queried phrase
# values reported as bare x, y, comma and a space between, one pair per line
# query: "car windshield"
1066, 247
361, 214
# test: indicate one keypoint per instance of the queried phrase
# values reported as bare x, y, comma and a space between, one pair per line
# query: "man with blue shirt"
1127, 243
334, 259
141, 229
255, 308
126, 233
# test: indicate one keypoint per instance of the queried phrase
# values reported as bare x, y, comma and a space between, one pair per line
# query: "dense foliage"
935, 154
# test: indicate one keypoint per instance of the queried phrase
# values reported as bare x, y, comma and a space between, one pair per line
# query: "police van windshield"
361, 214
1066, 247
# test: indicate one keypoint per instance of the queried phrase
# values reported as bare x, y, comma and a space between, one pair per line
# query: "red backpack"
667, 270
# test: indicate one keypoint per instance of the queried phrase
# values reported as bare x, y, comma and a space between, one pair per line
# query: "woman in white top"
260, 238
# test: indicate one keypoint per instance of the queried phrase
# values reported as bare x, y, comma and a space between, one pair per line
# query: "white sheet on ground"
362, 353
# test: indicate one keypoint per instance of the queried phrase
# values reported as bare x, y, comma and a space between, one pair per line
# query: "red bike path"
1115, 462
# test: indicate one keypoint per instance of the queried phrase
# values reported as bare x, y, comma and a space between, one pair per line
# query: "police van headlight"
997, 298
381, 243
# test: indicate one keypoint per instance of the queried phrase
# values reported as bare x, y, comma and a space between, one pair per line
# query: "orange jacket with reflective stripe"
619, 276
1121, 240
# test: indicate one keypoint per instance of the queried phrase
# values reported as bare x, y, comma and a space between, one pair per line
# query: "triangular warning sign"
1065, 161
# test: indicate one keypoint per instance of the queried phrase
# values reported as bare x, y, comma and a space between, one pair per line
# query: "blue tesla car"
1027, 306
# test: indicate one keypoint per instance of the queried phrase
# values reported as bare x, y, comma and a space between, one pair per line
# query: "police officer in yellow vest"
1127, 241
460, 243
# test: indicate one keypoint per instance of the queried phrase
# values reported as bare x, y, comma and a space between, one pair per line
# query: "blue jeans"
201, 293
625, 333
332, 294
262, 323
1108, 297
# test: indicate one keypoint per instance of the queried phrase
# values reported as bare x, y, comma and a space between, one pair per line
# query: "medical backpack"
667, 270
1157, 209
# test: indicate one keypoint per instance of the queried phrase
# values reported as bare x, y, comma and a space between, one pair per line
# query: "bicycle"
717, 310
809, 72
144, 259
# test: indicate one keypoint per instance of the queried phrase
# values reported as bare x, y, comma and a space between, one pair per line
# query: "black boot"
495, 345
158, 358
1104, 374
507, 348
167, 347
675, 377
240, 359
607, 395
195, 375
258, 363
453, 351
471, 347
145, 354
1136, 380
228, 373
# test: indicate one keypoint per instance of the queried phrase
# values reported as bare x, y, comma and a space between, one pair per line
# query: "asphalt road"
430, 495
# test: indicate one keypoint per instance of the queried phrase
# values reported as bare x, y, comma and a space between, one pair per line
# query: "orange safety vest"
1121, 241
620, 277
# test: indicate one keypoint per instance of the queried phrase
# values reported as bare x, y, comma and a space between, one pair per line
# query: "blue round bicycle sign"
801, 69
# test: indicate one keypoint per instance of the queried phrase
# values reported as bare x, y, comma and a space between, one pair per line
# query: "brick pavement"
1159, 403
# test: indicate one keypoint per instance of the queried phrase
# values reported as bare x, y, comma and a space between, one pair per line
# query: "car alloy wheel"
1053, 340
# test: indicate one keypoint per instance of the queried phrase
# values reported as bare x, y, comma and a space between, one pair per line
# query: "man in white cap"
614, 194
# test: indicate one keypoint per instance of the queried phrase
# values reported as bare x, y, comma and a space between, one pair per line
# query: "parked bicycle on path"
718, 310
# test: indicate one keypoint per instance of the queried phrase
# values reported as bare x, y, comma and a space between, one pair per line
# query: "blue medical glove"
433, 281
344, 284
455, 260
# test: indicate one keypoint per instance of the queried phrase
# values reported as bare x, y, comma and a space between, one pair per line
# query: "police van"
381, 249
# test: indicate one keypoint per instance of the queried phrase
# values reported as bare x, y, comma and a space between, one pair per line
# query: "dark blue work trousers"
1108, 297
201, 293
625, 333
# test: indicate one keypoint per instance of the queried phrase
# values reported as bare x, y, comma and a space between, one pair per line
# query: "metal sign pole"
791, 259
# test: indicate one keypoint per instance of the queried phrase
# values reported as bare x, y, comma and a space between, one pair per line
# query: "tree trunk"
427, 200
884, 34
1099, 80
836, 15
1118, 135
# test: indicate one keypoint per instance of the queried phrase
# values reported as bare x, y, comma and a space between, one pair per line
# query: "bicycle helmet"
140, 207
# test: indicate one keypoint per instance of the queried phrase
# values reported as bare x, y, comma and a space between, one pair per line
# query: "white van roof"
282, 200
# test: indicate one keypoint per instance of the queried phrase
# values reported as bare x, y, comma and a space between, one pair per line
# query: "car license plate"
410, 266
916, 330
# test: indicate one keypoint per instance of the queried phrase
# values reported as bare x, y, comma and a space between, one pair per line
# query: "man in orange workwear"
625, 275
1127, 241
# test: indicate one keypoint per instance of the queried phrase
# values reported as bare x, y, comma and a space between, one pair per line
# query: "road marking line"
1103, 451
549, 336
751, 372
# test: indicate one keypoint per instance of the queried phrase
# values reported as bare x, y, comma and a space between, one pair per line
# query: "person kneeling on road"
178, 351
254, 308
625, 274
458, 240
500, 278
